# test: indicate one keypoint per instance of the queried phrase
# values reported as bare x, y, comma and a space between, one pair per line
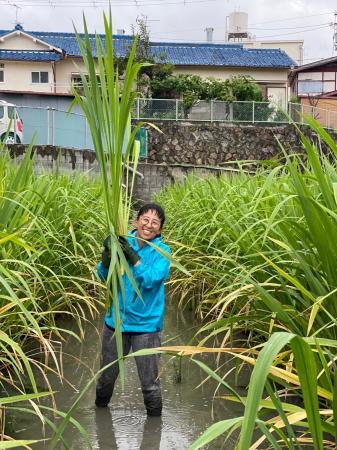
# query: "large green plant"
106, 103
48, 245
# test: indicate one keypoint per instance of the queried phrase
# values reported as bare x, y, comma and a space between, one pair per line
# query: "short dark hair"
153, 207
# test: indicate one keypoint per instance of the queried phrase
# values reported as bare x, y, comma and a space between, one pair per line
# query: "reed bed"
51, 230
261, 251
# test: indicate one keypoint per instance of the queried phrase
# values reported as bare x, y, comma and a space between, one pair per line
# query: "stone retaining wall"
181, 148
204, 143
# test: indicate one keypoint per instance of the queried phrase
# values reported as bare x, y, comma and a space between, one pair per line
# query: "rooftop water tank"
237, 25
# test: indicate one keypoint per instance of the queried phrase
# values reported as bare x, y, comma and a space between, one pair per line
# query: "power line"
248, 29
257, 37
295, 18
295, 32
104, 3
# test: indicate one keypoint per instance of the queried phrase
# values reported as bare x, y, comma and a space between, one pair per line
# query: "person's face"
148, 225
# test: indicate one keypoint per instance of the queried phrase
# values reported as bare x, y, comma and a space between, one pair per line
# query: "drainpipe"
53, 66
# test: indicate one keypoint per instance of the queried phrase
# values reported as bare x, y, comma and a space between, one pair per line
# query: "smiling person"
141, 318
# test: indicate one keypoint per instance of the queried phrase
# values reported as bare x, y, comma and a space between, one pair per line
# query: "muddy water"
187, 409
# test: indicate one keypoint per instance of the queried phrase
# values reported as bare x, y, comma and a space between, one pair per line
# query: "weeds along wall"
184, 147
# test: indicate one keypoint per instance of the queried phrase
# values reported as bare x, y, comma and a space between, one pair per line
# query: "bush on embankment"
51, 229
262, 253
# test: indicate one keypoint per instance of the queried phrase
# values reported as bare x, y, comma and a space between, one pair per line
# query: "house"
315, 84
39, 68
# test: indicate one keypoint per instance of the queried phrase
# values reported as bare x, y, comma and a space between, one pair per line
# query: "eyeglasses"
147, 221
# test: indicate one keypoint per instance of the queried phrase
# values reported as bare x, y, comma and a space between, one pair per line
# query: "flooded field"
188, 407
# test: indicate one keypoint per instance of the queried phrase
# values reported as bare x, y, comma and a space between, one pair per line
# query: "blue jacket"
144, 315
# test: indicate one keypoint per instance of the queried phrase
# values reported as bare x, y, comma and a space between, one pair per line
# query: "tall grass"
262, 253
49, 246
106, 102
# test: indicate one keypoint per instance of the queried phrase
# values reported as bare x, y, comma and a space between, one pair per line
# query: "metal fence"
59, 128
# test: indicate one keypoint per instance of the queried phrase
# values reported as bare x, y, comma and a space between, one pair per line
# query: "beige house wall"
223, 73
21, 42
293, 48
64, 70
18, 76
275, 81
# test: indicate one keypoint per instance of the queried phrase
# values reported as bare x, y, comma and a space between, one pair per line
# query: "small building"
315, 84
39, 68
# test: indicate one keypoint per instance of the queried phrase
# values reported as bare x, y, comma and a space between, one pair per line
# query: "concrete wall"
182, 148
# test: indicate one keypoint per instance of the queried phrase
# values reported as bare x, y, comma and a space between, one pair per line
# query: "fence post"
138, 108
48, 125
15, 119
177, 109
212, 110
302, 113
85, 132
289, 112
253, 118
53, 126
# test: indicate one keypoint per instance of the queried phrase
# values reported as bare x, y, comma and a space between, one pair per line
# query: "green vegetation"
261, 250
49, 246
107, 108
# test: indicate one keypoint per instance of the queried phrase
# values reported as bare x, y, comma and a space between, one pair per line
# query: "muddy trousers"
147, 367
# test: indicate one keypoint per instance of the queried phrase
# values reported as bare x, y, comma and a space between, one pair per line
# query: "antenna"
16, 12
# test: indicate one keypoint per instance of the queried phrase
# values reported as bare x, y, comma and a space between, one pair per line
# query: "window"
2, 73
2, 111
310, 87
40, 77
76, 79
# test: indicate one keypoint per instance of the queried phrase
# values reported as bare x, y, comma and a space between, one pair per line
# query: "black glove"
106, 253
130, 255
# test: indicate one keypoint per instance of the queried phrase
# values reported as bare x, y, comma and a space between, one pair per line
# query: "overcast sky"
179, 20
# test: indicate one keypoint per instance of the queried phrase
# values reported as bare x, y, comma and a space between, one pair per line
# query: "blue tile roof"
29, 55
221, 55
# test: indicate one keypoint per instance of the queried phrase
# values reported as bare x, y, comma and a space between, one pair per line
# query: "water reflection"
151, 434
104, 429
110, 431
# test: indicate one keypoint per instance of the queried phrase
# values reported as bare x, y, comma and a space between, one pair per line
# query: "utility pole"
335, 33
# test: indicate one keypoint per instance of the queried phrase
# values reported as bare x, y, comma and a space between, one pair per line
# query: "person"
141, 318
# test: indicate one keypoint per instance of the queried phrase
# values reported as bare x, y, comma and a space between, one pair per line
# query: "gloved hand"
106, 253
130, 255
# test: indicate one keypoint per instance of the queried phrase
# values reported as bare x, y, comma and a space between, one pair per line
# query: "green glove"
106, 253
130, 255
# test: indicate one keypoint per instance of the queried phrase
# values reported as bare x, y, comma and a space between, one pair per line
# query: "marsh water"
189, 405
